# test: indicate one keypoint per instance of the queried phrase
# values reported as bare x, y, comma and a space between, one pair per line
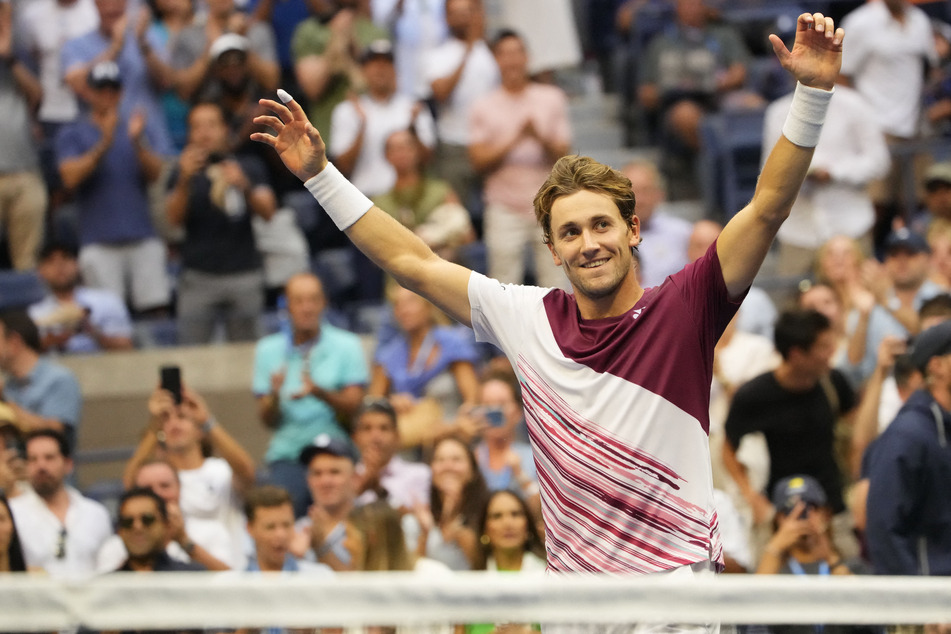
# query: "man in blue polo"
42, 394
308, 380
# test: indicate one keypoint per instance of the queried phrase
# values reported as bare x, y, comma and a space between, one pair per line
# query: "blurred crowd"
130, 190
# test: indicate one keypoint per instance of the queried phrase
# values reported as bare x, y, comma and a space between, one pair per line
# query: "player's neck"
614, 305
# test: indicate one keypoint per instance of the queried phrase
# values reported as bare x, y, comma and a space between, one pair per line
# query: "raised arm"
814, 61
393, 247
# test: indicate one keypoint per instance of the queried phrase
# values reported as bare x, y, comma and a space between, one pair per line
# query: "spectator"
160, 28
143, 525
459, 71
418, 27
738, 357
508, 535
231, 85
694, 67
516, 134
510, 543
796, 407
446, 529
270, 516
11, 553
427, 205
214, 196
902, 284
664, 236
383, 473
938, 237
109, 157
41, 393
908, 510
801, 543
210, 485
308, 380
325, 47
116, 41
74, 318
13, 478
359, 127
937, 97
886, 62
835, 199
937, 196
858, 332
505, 461
414, 367
202, 540
22, 191
44, 26
61, 530
757, 313
192, 55
385, 550
326, 534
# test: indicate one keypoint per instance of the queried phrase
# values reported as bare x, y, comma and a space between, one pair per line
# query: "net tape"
130, 601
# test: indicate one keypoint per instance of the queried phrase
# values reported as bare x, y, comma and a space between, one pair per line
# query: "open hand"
297, 142
816, 55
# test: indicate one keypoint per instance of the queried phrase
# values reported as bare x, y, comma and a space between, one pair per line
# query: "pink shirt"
500, 116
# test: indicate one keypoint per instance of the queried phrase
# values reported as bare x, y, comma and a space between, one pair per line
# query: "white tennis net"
197, 600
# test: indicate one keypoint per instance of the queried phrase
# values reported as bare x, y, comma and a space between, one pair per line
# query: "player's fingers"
829, 28
294, 108
839, 36
269, 121
779, 47
818, 22
804, 22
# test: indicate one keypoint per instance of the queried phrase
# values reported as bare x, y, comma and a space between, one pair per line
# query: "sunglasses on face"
128, 521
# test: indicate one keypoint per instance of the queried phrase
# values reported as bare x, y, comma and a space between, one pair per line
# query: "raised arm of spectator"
159, 406
865, 425
393, 247
74, 170
226, 446
814, 61
150, 162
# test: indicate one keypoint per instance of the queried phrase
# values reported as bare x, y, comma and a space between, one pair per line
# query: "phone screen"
171, 380
494, 416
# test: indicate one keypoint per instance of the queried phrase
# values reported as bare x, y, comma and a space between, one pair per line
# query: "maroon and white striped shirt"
617, 411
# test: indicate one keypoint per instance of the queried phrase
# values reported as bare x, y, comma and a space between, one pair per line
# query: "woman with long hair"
447, 530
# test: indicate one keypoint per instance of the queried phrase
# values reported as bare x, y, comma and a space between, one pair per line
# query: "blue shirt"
51, 391
113, 203
137, 90
335, 360
502, 479
453, 345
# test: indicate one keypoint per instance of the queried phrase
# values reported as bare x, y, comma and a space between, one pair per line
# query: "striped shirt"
617, 412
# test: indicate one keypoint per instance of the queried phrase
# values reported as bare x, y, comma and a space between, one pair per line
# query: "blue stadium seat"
731, 148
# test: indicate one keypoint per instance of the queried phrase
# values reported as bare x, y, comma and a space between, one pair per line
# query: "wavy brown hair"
572, 174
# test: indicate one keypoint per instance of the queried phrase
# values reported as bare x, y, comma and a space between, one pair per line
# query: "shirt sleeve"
65, 401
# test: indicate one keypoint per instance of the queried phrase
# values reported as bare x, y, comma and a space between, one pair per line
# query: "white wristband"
806, 115
344, 203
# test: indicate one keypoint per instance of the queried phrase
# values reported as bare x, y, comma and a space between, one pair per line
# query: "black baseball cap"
934, 342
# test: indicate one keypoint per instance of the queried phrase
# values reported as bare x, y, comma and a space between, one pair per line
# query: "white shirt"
418, 26
372, 174
87, 526
852, 148
406, 484
209, 535
479, 77
207, 496
47, 25
107, 313
884, 58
